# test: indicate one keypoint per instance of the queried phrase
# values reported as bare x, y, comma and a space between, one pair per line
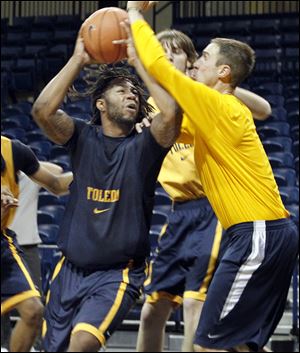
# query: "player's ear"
100, 104
224, 71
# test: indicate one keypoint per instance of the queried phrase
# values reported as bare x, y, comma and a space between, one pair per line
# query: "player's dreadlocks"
99, 78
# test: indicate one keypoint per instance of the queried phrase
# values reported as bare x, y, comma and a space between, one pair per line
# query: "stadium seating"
55, 211
48, 233
46, 199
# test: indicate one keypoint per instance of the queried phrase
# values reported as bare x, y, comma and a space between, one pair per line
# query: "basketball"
100, 29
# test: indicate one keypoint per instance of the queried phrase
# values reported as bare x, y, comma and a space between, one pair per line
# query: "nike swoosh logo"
97, 211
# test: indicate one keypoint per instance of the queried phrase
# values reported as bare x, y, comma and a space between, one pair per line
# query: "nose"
131, 96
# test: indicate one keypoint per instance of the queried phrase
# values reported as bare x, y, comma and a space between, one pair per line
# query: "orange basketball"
100, 29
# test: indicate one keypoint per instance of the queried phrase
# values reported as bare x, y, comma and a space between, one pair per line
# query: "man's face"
121, 103
205, 69
176, 55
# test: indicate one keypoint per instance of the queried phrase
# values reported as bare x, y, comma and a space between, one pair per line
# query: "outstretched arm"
57, 184
165, 126
259, 107
57, 125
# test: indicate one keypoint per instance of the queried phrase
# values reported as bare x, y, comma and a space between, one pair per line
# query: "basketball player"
104, 233
17, 288
192, 233
238, 180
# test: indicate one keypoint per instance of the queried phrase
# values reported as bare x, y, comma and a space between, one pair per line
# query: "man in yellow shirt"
242, 309
192, 232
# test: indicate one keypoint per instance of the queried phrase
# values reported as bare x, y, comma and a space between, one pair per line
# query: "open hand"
141, 5
132, 56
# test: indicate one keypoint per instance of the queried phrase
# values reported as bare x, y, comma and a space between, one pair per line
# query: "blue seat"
278, 114
74, 109
294, 212
56, 211
295, 133
274, 129
23, 79
48, 233
270, 26
17, 133
275, 100
296, 149
36, 135
11, 110
158, 220
43, 146
290, 39
284, 142
292, 193
46, 199
293, 117
50, 256
289, 24
266, 41
22, 120
45, 218
285, 176
40, 37
57, 151
281, 160
24, 106
211, 29
272, 88
292, 104
238, 27
154, 237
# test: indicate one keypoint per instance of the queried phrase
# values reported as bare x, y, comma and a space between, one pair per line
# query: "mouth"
131, 107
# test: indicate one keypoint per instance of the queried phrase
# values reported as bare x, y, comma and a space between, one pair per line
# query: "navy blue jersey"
108, 214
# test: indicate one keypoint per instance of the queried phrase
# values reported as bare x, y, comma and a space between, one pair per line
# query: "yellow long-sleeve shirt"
233, 167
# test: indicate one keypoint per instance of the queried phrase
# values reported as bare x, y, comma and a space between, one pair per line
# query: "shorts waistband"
268, 225
118, 266
190, 204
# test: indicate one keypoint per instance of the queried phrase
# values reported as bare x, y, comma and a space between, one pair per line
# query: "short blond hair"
238, 55
177, 39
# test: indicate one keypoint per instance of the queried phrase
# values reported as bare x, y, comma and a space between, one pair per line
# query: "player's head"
116, 95
226, 60
179, 48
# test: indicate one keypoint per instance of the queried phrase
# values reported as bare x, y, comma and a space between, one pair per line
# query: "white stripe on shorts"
248, 268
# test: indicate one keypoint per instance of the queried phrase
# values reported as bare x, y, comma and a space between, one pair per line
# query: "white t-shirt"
25, 220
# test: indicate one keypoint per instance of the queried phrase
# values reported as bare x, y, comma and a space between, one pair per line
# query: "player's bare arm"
166, 125
57, 184
58, 125
260, 108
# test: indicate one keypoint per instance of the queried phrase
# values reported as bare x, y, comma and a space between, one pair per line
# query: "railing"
11, 9
196, 9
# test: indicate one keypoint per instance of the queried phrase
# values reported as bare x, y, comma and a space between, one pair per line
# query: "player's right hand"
80, 51
7, 198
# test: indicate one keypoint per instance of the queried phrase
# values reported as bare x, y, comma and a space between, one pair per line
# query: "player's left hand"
132, 56
141, 5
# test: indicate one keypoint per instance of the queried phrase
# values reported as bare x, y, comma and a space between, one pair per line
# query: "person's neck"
112, 129
223, 88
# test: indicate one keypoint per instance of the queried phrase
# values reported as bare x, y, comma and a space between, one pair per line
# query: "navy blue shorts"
187, 254
247, 296
16, 282
91, 301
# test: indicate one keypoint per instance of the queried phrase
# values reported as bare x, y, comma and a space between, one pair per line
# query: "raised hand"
80, 51
141, 5
131, 52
